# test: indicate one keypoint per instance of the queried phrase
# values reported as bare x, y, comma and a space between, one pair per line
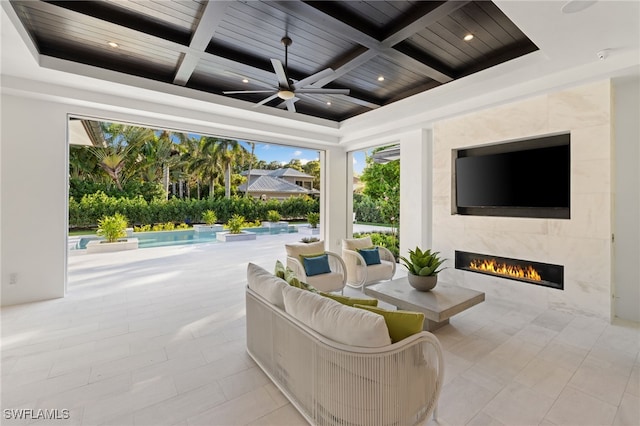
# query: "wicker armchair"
359, 274
331, 281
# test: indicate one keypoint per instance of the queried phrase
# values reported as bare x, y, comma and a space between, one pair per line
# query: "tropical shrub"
313, 219
112, 227
273, 216
209, 217
235, 224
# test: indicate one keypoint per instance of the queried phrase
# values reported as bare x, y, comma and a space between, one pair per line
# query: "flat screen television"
518, 179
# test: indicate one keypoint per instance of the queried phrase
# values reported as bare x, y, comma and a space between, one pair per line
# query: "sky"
284, 154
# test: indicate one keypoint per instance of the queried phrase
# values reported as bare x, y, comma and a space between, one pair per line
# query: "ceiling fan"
287, 89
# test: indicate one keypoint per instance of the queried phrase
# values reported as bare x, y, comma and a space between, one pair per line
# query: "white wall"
627, 200
34, 192
582, 244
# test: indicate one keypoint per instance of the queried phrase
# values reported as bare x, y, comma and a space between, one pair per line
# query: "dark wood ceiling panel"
182, 14
212, 46
92, 34
377, 13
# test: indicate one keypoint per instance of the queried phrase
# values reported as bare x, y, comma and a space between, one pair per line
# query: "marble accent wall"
582, 244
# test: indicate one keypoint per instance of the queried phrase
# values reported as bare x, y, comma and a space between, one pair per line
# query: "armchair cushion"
357, 243
296, 249
316, 265
371, 256
333, 281
401, 324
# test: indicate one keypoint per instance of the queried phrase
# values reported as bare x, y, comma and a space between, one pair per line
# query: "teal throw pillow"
316, 265
371, 256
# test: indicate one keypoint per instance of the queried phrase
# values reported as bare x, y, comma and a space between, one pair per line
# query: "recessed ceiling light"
575, 6
328, 102
381, 78
468, 37
113, 44
245, 80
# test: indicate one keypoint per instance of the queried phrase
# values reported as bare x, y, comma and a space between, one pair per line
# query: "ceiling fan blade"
290, 104
265, 100
283, 80
314, 77
321, 91
233, 92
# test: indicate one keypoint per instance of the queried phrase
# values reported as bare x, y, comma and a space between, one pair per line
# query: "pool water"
182, 237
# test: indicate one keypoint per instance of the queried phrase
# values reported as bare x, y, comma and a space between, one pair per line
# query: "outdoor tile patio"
157, 336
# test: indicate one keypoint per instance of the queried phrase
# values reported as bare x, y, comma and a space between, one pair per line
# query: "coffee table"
438, 305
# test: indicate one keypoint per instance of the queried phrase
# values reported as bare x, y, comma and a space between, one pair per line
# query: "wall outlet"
13, 278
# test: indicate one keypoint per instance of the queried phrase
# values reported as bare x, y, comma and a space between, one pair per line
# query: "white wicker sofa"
329, 381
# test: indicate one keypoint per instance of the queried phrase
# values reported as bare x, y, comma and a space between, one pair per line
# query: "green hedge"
138, 211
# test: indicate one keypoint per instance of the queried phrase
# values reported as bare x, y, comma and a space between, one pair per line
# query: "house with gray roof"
280, 184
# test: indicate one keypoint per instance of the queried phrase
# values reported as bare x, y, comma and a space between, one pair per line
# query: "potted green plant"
423, 268
313, 219
273, 221
235, 232
209, 217
113, 229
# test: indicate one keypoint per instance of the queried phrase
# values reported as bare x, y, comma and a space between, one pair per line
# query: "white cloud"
265, 146
304, 161
355, 161
282, 163
297, 153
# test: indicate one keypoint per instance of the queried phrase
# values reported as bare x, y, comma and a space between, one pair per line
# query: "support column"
415, 190
333, 198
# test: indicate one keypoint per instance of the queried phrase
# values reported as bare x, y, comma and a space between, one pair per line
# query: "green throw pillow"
401, 324
350, 301
291, 279
279, 271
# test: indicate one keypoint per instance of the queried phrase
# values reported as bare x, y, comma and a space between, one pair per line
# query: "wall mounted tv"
527, 178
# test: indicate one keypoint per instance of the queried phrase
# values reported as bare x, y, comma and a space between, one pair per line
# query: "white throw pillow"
340, 323
266, 284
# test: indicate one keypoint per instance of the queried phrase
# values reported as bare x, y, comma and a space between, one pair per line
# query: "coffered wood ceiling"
213, 46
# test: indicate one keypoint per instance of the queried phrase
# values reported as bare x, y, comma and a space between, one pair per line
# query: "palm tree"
204, 163
118, 157
251, 158
227, 152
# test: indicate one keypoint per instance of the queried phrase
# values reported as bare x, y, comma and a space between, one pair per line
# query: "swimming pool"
182, 237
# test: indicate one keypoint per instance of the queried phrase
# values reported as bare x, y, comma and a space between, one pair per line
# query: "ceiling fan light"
285, 95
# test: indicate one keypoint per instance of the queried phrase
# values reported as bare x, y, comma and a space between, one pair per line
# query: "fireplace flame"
528, 272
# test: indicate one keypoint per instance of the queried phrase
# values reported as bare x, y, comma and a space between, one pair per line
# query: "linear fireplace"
544, 274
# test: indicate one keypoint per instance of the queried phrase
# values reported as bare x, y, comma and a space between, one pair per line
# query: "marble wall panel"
581, 243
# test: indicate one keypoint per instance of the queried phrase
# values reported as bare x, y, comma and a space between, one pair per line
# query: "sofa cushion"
266, 284
315, 265
340, 323
357, 243
296, 249
350, 301
371, 256
401, 324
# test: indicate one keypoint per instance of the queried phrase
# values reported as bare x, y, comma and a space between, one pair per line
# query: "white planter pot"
280, 224
243, 236
308, 230
100, 246
208, 228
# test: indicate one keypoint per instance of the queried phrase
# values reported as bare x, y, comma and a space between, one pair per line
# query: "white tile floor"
157, 336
